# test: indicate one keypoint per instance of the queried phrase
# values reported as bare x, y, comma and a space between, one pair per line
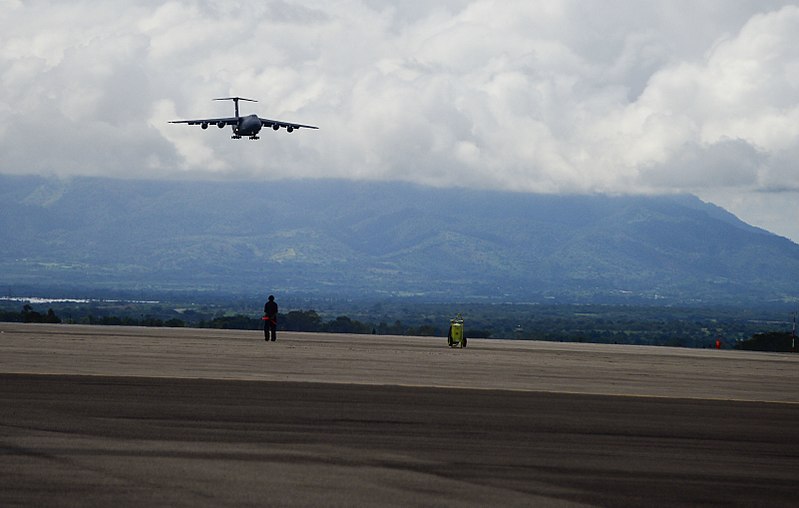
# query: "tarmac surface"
99, 416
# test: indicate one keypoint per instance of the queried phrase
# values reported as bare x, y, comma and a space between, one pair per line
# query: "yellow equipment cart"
456, 336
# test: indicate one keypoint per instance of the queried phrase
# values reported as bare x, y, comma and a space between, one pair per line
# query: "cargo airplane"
248, 126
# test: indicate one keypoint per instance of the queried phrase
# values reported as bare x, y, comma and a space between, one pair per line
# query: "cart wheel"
449, 341
464, 342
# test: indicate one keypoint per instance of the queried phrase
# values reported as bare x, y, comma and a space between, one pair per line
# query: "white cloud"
548, 96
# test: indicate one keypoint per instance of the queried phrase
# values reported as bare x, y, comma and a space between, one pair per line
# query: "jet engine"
221, 125
204, 125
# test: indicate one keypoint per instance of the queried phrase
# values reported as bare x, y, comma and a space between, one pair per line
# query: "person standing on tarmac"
270, 319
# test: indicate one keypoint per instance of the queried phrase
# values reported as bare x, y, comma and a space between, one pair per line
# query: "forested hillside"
372, 240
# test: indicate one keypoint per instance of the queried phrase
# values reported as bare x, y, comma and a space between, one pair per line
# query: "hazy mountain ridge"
355, 238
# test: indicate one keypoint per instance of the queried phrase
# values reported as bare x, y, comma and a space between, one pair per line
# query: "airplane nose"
251, 125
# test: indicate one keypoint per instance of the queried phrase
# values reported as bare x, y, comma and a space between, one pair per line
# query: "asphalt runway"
98, 416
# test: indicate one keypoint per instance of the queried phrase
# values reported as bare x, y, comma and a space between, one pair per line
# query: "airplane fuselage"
248, 126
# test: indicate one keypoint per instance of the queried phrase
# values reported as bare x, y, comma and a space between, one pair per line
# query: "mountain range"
346, 239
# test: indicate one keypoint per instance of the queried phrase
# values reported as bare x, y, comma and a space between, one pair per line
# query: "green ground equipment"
456, 336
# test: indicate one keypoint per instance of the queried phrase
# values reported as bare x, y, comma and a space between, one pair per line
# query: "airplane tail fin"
235, 99
235, 102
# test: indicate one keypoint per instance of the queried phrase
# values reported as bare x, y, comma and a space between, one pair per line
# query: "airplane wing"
276, 124
209, 121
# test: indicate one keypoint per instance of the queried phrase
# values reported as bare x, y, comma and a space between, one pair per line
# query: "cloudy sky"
555, 96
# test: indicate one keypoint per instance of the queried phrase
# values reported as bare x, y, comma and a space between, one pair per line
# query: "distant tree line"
295, 320
311, 321
28, 315
130, 321
775, 342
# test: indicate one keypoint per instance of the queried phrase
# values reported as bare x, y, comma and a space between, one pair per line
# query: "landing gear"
235, 136
254, 137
